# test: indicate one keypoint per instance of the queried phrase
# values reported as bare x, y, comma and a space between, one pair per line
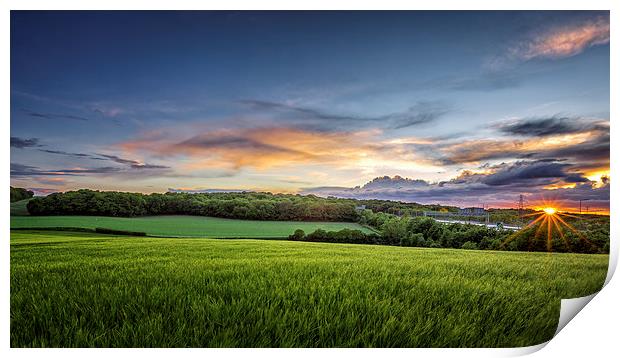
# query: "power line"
521, 203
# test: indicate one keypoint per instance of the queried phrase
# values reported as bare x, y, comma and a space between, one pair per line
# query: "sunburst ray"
561, 232
549, 220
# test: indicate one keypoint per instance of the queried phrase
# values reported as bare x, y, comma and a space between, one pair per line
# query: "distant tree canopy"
343, 236
250, 205
244, 205
18, 194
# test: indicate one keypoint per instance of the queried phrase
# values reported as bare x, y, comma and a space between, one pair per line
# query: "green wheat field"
93, 290
183, 225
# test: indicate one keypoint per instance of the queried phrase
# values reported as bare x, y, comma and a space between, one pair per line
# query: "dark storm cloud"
576, 178
521, 172
548, 126
420, 113
596, 150
503, 184
17, 142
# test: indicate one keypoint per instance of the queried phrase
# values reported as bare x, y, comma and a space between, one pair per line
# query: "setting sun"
550, 211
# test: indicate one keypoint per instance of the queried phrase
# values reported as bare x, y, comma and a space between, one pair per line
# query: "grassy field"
78, 289
183, 226
18, 208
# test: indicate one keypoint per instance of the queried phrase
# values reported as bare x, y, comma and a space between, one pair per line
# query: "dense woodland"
426, 232
18, 194
251, 206
591, 234
244, 205
395, 223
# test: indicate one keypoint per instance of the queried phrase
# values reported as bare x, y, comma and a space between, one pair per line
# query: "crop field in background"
80, 289
18, 208
183, 226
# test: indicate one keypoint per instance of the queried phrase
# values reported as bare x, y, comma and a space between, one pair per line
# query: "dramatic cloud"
587, 152
555, 138
397, 182
564, 41
562, 148
259, 148
564, 156
553, 125
523, 172
17, 142
501, 186
420, 113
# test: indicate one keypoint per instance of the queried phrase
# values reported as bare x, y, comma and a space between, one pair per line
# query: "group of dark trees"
401, 208
18, 194
344, 236
426, 232
250, 205
590, 235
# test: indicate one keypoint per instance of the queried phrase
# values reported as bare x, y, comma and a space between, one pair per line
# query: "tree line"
233, 205
248, 206
18, 194
591, 236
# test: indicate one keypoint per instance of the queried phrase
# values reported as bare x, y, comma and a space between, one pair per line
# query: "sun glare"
547, 219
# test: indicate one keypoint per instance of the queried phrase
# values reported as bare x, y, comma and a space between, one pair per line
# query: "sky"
467, 108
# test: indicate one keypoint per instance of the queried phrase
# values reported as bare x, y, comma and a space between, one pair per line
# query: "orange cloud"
566, 41
258, 148
474, 151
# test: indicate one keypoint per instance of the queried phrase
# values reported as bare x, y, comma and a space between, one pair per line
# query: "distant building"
472, 211
360, 207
